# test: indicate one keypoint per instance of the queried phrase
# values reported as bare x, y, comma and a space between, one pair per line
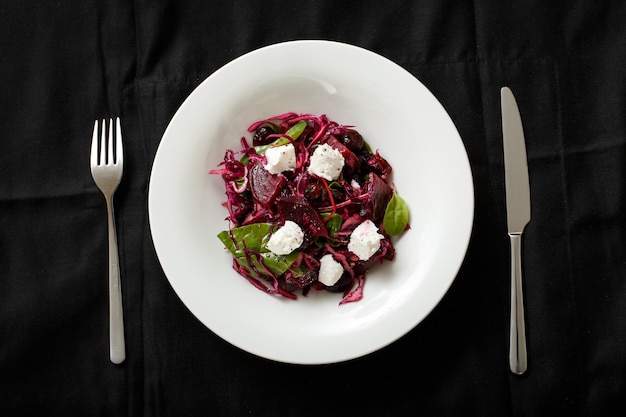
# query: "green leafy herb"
254, 238
396, 215
333, 224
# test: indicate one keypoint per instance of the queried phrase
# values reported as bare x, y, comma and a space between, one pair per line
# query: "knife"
517, 216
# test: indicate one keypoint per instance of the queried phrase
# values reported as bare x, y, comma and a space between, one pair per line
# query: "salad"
310, 207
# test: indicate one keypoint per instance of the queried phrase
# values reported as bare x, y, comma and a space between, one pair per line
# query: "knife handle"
517, 350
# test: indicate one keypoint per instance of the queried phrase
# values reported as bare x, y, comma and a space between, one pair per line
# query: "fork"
107, 163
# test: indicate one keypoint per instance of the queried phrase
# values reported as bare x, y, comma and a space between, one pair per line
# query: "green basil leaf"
396, 215
249, 236
255, 237
333, 224
278, 264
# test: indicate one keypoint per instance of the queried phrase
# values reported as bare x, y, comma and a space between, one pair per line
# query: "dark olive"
352, 139
314, 191
261, 135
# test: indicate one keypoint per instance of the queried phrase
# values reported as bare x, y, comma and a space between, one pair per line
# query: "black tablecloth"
65, 63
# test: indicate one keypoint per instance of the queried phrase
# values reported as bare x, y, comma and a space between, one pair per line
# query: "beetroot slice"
300, 211
265, 186
379, 195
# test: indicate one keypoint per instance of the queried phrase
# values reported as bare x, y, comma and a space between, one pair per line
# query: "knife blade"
517, 189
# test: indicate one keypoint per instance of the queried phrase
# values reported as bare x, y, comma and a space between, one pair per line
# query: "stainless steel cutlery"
107, 164
518, 216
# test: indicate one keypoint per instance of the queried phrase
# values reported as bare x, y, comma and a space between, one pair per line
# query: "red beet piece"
379, 195
265, 186
298, 210
379, 165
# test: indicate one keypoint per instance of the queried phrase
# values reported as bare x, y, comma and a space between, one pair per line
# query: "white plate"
397, 115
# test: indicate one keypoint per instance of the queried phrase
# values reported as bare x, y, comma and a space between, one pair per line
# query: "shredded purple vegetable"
327, 211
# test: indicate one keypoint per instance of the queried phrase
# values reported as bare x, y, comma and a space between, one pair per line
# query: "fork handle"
517, 354
116, 316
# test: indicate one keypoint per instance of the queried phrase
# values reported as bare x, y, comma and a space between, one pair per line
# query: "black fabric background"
65, 63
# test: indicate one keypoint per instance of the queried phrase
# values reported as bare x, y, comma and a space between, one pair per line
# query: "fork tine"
103, 143
110, 156
94, 145
119, 153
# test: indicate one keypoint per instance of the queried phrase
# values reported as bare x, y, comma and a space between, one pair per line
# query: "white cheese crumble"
330, 270
286, 239
365, 240
326, 162
280, 158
